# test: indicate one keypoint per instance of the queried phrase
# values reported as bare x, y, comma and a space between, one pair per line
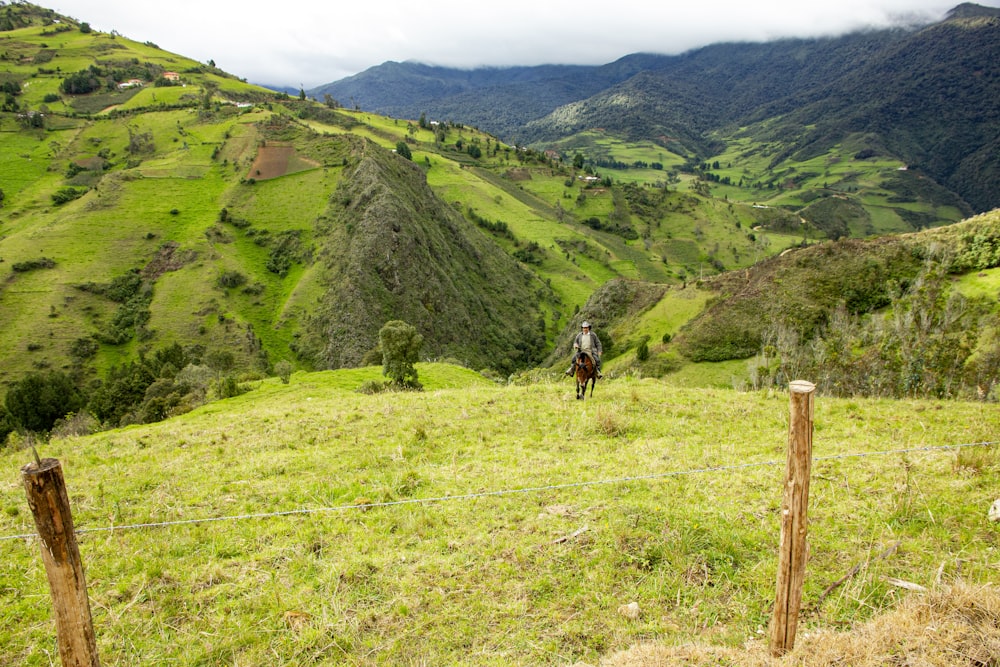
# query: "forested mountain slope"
924, 95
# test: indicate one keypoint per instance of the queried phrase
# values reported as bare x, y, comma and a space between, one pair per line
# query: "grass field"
490, 525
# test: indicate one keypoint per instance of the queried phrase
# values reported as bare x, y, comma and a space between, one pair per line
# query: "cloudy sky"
312, 42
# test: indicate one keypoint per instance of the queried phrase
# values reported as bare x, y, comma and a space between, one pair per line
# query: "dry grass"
953, 626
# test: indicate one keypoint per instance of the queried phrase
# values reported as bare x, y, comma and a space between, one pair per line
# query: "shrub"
220, 360
32, 264
75, 424
642, 352
284, 371
373, 387
67, 194
39, 399
231, 279
228, 387
83, 349
286, 248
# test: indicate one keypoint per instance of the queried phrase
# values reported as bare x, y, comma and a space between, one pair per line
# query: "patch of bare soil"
167, 258
275, 160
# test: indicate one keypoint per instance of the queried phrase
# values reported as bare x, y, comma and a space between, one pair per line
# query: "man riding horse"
587, 342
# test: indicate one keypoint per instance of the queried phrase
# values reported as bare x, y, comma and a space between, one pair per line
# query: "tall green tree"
400, 343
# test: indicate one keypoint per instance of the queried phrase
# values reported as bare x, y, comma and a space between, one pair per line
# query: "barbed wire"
503, 492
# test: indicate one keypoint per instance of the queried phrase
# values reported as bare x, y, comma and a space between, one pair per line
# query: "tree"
140, 142
121, 391
82, 82
39, 399
403, 150
221, 361
400, 343
642, 352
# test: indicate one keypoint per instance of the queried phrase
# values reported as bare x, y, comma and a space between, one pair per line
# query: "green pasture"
24, 160
667, 316
595, 145
365, 131
573, 282
673, 311
151, 97
267, 203
980, 285
475, 524
747, 162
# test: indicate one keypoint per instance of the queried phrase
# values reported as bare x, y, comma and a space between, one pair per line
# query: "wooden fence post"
793, 548
49, 502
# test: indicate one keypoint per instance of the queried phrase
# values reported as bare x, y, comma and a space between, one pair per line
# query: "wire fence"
505, 492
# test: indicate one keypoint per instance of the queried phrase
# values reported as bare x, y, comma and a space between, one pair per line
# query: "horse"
585, 371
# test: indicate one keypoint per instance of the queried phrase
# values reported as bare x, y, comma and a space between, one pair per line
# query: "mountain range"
927, 95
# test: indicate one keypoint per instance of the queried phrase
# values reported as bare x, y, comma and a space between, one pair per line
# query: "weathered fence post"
49, 502
793, 549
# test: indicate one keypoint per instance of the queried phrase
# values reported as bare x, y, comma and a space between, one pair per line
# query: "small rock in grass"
630, 610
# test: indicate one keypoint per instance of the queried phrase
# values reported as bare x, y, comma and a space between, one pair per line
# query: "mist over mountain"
925, 94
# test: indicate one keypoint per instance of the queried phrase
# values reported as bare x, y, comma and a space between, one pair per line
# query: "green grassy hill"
486, 525
196, 220
161, 238
901, 315
200, 210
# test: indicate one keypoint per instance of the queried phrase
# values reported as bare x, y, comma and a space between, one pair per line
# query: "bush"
67, 194
231, 279
75, 424
83, 349
228, 387
36, 401
373, 387
32, 264
642, 352
284, 371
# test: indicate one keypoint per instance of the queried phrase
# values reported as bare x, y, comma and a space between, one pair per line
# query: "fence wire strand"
503, 492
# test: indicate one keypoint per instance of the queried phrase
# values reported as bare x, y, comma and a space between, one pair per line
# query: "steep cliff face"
390, 249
